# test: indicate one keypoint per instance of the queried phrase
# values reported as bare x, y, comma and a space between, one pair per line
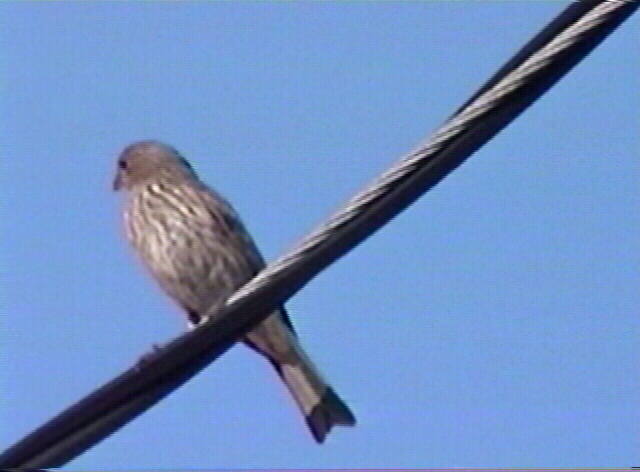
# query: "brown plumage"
195, 246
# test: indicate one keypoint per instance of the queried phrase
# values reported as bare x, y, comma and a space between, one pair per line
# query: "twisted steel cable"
540, 64
416, 159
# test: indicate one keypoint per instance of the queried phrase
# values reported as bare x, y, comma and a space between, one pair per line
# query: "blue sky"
494, 323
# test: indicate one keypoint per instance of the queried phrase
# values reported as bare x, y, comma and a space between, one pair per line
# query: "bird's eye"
122, 164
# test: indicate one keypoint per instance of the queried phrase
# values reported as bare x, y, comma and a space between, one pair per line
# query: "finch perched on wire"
197, 249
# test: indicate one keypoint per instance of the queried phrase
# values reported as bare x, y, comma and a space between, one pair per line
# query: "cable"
484, 103
563, 43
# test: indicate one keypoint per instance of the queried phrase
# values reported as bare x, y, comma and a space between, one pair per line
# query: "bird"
193, 243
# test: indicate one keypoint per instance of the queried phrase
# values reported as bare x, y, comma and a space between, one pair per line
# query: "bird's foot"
145, 358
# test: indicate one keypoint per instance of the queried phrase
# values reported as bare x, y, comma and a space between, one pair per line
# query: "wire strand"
532, 71
412, 161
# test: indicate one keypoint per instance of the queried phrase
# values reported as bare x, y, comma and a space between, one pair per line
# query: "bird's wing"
223, 214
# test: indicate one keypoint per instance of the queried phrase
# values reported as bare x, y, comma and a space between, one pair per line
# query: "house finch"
195, 246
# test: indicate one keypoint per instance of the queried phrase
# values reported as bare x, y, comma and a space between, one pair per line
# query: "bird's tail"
322, 408
320, 405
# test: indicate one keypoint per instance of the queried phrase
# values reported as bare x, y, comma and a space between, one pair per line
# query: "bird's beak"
117, 182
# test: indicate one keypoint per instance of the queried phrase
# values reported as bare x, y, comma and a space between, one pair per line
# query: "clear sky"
494, 323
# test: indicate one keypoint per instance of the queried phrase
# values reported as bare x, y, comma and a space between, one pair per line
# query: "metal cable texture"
454, 127
530, 73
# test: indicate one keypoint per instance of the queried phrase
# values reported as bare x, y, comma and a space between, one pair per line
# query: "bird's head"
146, 162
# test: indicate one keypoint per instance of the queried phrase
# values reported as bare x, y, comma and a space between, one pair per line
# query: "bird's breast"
193, 263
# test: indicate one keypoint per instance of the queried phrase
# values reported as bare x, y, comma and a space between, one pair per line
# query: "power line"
539, 65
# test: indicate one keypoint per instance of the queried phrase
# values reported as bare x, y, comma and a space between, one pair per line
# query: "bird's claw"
145, 358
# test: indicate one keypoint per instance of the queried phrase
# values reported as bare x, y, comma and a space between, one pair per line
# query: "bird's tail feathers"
320, 405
